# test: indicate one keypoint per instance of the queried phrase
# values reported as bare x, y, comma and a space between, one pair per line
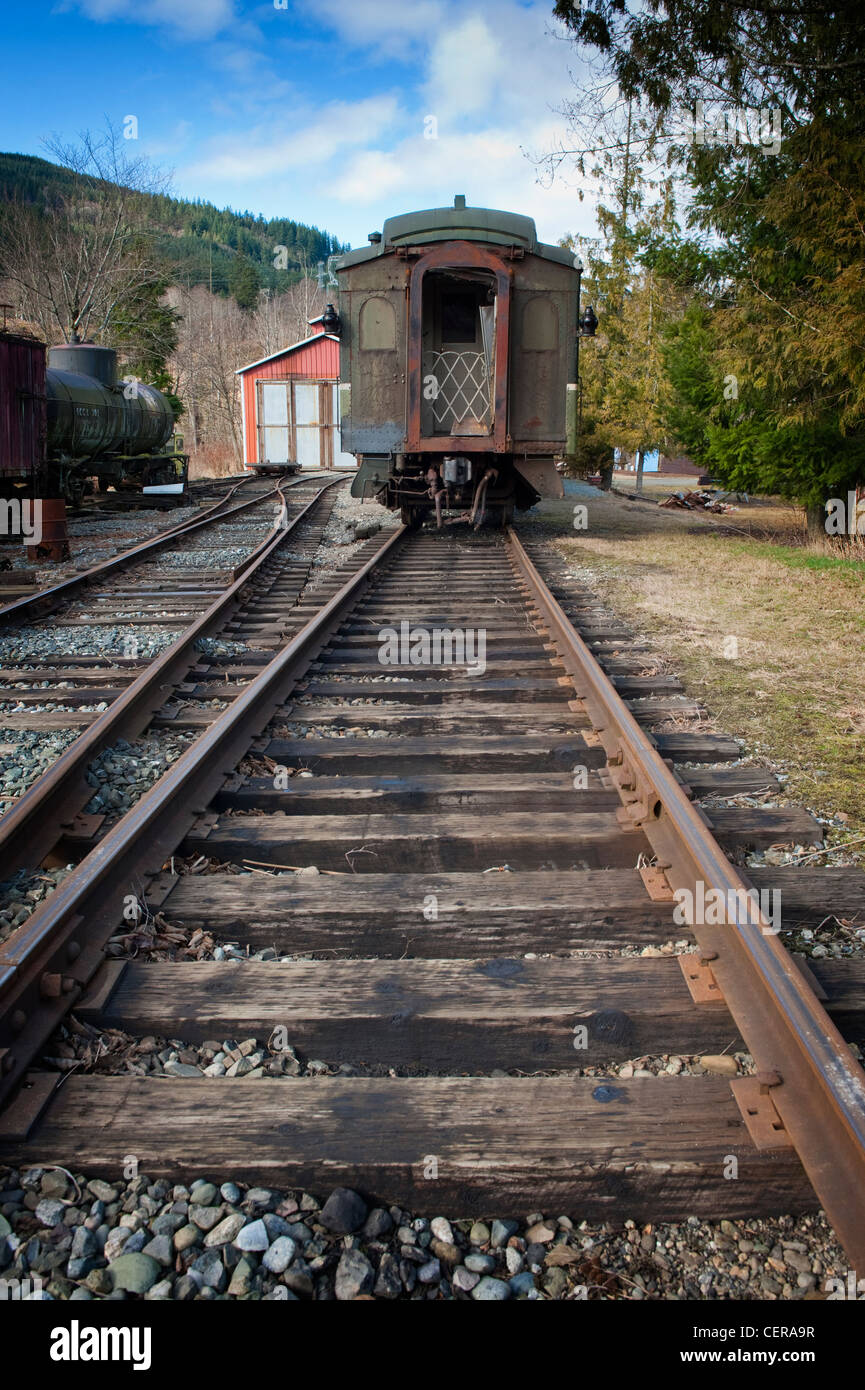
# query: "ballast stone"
135, 1272
354, 1276
253, 1237
344, 1211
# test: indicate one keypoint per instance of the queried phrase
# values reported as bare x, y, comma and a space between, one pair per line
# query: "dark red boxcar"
22, 408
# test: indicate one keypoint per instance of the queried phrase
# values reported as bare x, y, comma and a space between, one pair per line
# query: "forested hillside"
96, 246
201, 244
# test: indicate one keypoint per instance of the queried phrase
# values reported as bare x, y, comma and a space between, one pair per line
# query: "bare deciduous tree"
79, 260
216, 337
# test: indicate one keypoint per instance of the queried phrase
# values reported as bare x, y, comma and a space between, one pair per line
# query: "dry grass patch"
770, 637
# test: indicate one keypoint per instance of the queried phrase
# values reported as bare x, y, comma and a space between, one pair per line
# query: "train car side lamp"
330, 321
588, 322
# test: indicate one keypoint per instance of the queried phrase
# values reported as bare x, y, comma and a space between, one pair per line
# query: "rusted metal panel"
372, 357
22, 405
542, 475
387, 408
543, 351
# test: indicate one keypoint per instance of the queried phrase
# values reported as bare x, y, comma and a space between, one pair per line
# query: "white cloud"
489, 167
466, 65
383, 24
491, 78
490, 71
195, 19
287, 144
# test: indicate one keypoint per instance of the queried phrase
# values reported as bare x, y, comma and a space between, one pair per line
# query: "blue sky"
319, 110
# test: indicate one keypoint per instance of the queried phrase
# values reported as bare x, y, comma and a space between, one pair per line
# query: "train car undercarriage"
479, 490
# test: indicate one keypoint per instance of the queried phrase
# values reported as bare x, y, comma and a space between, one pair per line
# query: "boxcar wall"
543, 349
22, 413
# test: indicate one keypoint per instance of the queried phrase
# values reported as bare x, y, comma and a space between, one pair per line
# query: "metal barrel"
51, 539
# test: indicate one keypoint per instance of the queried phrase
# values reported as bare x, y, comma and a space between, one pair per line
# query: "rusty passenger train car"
459, 336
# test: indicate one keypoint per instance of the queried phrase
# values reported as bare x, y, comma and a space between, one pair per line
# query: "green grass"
796, 558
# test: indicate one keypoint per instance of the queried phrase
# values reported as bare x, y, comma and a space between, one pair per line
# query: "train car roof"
457, 223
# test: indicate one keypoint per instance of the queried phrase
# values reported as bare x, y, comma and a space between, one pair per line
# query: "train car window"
377, 326
540, 325
459, 317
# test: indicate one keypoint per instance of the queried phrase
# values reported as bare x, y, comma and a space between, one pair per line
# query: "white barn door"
274, 436
307, 424
298, 422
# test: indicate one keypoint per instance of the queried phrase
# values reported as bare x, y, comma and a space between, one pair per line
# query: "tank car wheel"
75, 489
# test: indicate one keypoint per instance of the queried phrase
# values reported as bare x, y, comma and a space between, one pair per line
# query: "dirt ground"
766, 631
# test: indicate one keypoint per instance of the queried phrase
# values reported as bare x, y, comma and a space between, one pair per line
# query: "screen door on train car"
274, 437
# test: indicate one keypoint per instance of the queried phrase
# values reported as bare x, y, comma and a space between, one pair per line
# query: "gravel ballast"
100, 1238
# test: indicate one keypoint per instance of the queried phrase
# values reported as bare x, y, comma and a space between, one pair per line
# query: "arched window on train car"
377, 325
540, 327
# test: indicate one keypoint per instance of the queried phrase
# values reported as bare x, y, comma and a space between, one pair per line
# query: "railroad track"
200, 490
94, 584
113, 699
455, 865
71, 650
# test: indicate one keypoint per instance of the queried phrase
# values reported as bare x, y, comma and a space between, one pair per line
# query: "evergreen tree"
766, 371
243, 282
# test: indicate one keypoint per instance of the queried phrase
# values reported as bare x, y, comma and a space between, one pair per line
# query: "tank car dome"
85, 359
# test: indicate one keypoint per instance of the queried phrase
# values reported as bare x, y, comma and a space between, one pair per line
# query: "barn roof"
283, 352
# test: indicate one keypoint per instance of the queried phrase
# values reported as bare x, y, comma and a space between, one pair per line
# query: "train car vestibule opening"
459, 353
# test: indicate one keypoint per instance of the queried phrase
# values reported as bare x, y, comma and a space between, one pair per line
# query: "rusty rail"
46, 964
809, 1091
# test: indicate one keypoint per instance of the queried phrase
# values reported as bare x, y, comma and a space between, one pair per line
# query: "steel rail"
99, 505
44, 600
46, 964
25, 838
808, 1083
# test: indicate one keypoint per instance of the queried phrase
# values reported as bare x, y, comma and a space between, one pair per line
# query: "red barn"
291, 406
